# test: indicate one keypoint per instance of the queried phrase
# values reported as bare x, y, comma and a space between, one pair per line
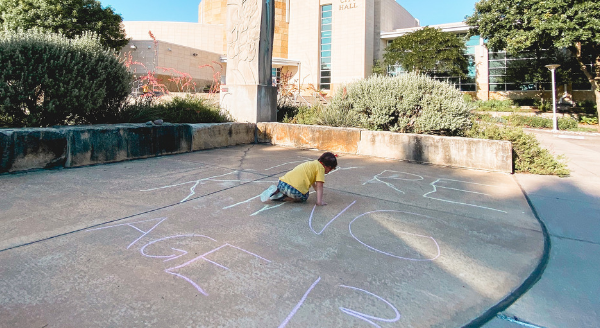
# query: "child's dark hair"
328, 159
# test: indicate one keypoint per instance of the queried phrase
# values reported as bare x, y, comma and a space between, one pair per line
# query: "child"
295, 184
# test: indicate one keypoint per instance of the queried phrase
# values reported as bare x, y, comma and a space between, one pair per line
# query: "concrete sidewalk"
183, 240
567, 295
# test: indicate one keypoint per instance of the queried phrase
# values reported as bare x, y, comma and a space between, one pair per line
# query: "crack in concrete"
575, 239
244, 156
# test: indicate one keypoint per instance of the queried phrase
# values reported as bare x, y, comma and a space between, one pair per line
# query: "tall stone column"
248, 94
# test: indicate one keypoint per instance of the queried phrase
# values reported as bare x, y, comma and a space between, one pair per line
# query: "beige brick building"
318, 45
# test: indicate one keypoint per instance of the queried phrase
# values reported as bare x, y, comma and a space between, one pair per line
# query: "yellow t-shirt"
304, 175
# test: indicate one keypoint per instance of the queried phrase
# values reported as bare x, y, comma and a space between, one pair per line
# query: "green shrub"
47, 79
339, 116
467, 97
186, 109
590, 120
564, 123
588, 107
528, 156
406, 103
529, 121
567, 123
494, 105
286, 111
544, 105
489, 118
307, 115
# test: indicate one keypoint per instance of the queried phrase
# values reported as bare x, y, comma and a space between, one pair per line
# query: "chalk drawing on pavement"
394, 175
366, 317
295, 309
436, 185
132, 225
356, 314
171, 256
194, 183
426, 238
310, 219
203, 257
177, 252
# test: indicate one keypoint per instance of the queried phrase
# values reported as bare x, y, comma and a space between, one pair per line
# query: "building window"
325, 48
276, 75
501, 68
517, 72
462, 83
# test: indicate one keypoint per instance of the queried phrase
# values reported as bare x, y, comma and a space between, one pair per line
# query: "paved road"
568, 293
181, 241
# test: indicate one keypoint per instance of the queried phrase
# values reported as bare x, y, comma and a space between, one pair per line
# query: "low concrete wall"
39, 148
343, 140
24, 149
481, 154
98, 144
208, 136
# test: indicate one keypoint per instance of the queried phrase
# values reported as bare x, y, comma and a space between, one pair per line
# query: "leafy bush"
564, 123
590, 120
47, 79
305, 115
567, 123
286, 111
588, 107
406, 103
529, 121
528, 156
494, 105
339, 117
544, 105
187, 109
467, 97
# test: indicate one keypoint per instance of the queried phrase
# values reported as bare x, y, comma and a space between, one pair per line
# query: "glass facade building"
325, 48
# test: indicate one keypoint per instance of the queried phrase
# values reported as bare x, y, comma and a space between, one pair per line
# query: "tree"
68, 17
531, 25
429, 51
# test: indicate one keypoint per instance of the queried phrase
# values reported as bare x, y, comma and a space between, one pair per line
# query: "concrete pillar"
249, 95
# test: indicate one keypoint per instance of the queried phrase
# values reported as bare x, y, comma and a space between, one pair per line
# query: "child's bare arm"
319, 188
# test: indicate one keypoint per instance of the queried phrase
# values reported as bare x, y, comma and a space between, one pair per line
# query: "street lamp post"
552, 68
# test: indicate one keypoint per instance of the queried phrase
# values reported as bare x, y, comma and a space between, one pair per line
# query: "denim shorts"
291, 192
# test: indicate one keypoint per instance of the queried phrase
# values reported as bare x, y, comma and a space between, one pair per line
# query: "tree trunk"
593, 78
597, 93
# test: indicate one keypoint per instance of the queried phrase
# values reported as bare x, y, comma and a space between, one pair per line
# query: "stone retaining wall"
491, 155
40, 148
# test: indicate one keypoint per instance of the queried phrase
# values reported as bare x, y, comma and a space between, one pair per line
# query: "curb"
533, 278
